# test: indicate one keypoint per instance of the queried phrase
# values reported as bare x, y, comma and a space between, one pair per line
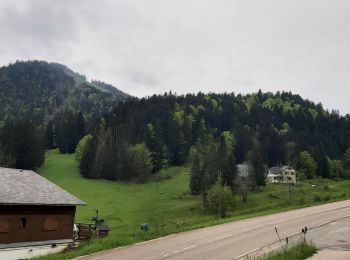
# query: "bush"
307, 165
302, 201
327, 197
219, 198
317, 198
80, 149
139, 162
298, 252
273, 196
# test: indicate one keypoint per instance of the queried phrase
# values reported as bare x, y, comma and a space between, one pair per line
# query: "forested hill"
265, 128
37, 90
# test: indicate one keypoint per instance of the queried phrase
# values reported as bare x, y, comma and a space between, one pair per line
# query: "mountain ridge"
37, 90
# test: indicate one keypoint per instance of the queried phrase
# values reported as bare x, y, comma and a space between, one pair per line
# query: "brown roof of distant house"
22, 187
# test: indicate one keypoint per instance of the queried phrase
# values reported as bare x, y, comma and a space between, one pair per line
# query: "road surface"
231, 240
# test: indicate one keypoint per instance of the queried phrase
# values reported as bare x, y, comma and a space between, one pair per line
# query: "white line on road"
247, 253
219, 238
189, 247
179, 250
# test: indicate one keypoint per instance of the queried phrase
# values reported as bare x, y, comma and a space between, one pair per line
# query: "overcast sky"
145, 47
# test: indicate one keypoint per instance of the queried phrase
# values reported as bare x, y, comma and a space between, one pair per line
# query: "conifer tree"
226, 161
258, 167
49, 134
196, 177
346, 163
27, 146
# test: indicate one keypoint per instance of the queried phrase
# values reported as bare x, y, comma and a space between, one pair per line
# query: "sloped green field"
168, 208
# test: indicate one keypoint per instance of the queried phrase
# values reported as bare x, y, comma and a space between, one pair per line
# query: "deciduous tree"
219, 198
306, 165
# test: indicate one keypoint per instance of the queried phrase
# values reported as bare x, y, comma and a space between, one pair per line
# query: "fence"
85, 231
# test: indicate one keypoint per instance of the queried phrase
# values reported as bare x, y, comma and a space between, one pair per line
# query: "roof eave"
42, 204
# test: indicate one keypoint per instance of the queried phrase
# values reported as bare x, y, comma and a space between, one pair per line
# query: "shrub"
327, 197
80, 149
307, 165
219, 198
302, 201
273, 196
317, 198
139, 161
299, 252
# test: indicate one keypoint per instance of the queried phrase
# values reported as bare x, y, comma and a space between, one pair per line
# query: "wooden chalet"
33, 210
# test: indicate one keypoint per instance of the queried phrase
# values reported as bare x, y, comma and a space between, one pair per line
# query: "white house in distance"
283, 174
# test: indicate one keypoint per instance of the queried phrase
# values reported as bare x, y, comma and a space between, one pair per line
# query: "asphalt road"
231, 240
332, 240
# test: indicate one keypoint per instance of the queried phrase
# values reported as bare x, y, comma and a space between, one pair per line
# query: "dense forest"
118, 137
47, 105
214, 133
36, 90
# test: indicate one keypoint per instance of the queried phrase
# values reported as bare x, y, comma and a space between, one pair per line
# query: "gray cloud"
36, 26
153, 46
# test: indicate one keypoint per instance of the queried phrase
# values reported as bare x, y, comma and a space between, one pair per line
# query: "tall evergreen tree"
258, 167
226, 159
70, 131
159, 153
176, 139
80, 127
346, 163
23, 144
86, 165
196, 177
50, 136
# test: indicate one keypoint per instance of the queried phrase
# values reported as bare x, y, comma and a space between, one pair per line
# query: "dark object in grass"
144, 227
317, 198
272, 196
101, 228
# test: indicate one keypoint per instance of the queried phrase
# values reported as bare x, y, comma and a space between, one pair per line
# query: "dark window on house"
23, 222
4, 225
50, 224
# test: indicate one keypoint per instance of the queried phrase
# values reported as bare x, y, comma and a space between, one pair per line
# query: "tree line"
23, 144
216, 131
266, 129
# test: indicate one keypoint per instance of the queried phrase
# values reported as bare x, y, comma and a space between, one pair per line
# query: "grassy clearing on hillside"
170, 208
299, 252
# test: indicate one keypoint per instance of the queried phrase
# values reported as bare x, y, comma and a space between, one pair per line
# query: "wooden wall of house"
35, 223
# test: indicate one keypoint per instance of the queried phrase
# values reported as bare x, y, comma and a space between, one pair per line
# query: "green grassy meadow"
169, 208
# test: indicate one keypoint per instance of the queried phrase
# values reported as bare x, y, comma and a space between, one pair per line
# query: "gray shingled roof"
275, 170
21, 187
